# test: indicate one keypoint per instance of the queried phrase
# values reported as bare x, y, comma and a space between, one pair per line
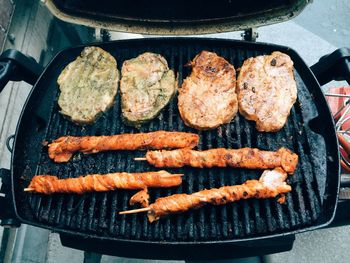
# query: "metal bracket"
102, 35
9, 142
105, 35
7, 214
250, 34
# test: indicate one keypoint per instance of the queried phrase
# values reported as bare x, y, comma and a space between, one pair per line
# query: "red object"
345, 152
336, 103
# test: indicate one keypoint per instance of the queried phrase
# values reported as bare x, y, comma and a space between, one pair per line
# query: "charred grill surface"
95, 214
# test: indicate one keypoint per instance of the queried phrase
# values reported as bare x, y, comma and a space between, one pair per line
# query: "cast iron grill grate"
96, 213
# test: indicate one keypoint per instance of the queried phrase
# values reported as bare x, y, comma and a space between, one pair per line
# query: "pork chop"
208, 97
88, 85
267, 90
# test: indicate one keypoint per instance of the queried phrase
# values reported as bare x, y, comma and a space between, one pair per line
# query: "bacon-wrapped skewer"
62, 149
47, 184
250, 158
271, 184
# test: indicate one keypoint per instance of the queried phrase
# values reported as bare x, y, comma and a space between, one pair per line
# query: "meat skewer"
250, 158
47, 184
271, 184
62, 149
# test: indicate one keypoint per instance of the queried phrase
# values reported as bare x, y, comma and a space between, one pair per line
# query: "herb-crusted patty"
147, 86
88, 85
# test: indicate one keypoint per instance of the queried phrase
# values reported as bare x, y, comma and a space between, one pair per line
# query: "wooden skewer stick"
134, 211
140, 159
172, 175
29, 189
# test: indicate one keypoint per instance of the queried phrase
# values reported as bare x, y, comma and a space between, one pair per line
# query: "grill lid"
177, 17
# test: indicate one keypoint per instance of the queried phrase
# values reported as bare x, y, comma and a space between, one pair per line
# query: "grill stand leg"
91, 257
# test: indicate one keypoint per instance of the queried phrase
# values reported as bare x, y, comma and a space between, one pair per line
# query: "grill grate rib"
96, 212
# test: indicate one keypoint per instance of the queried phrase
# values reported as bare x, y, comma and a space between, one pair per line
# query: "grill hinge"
250, 34
7, 214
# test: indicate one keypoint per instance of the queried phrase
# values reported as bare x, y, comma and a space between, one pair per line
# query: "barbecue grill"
90, 221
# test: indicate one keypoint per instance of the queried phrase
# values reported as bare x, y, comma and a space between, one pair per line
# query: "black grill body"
309, 132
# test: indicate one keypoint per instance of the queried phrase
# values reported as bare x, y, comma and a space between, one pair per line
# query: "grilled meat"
271, 184
141, 198
88, 85
62, 149
47, 184
267, 90
147, 86
250, 158
208, 97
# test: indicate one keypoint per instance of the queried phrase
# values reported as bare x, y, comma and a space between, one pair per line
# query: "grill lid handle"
334, 66
7, 214
15, 66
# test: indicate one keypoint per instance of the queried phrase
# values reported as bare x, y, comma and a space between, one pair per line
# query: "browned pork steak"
208, 97
267, 90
